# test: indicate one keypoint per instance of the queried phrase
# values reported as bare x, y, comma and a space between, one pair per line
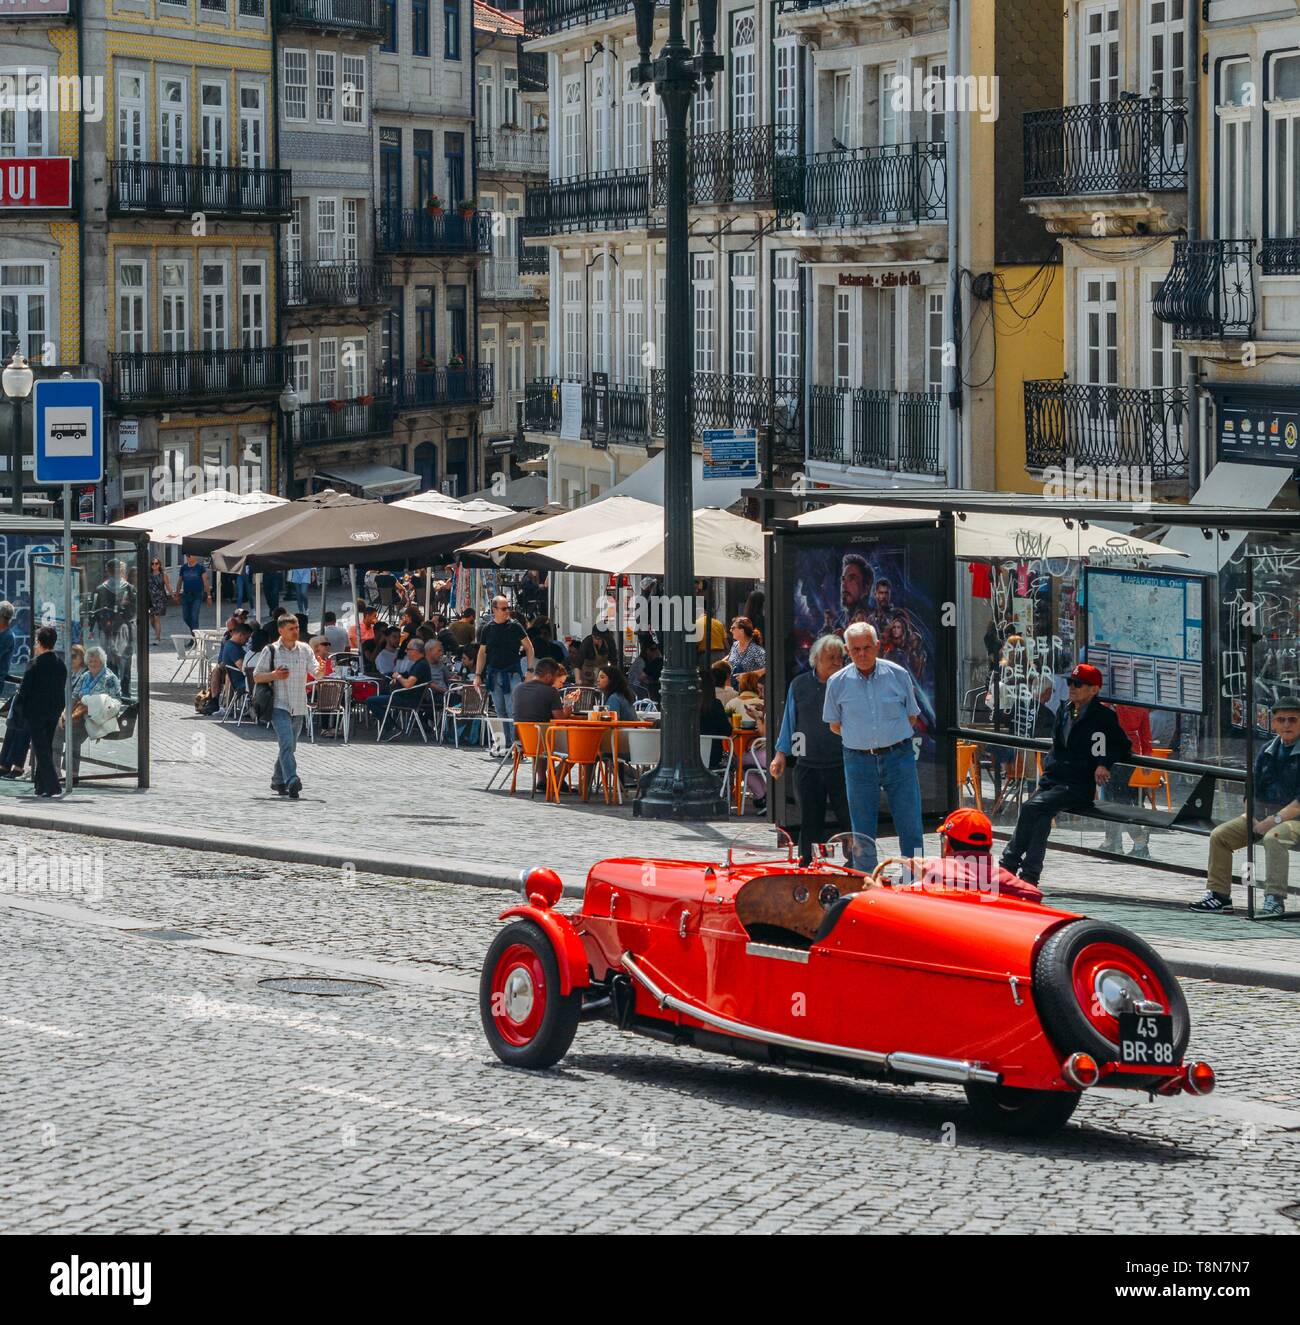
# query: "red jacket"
1137, 727
976, 873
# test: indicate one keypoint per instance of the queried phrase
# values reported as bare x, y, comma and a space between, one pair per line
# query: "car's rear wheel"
1018, 1112
528, 1022
1089, 971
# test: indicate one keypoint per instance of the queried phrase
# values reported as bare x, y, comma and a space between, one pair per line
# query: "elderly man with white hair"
871, 705
817, 751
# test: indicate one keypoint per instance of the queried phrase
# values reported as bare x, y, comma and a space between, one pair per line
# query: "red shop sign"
35, 181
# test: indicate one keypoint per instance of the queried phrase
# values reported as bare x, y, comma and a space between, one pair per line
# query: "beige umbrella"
517, 547
726, 547
192, 515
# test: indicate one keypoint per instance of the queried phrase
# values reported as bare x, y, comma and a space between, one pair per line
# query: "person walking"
497, 664
192, 589
285, 665
300, 583
1277, 797
1087, 742
871, 705
39, 703
160, 590
817, 751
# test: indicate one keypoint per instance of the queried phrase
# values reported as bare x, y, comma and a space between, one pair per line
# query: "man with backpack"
284, 667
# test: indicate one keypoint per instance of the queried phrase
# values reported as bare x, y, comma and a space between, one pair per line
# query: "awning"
375, 481
1227, 484
647, 484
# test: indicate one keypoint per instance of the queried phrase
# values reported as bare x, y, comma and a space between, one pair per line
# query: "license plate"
1146, 1039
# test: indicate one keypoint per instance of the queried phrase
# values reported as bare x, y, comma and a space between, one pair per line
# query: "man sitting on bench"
1086, 741
1277, 794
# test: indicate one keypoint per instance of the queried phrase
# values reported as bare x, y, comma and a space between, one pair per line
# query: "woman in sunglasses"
160, 592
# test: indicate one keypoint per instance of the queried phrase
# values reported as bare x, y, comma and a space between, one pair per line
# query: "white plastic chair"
640, 748
186, 655
646, 706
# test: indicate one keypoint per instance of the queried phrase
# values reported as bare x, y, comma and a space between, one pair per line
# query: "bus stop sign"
69, 430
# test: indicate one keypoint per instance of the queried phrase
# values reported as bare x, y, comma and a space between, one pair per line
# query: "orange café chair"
968, 771
1147, 780
530, 744
585, 745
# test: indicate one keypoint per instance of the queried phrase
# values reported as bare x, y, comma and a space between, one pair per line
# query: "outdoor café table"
610, 727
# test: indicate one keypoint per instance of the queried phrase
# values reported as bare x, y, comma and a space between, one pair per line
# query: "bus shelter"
110, 600
1192, 614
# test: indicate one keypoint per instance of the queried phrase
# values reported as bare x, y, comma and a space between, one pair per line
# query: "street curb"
1193, 962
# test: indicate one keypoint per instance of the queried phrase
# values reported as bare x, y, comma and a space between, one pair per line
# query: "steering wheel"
877, 875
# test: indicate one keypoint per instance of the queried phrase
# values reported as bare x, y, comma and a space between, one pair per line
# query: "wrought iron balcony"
467, 387
365, 18
615, 413
500, 278
511, 149
1209, 293
164, 188
607, 200
1136, 145
532, 68
901, 184
875, 429
169, 376
422, 233
543, 16
727, 400
736, 165
1281, 257
343, 421
334, 284
503, 417
1143, 428
534, 259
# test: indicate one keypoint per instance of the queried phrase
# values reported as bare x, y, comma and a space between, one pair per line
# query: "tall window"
633, 131
419, 27
300, 367
842, 109
704, 314
354, 89
1284, 131
24, 309
785, 96
293, 235
887, 118
571, 129
1166, 23
22, 122
458, 319
744, 312
354, 368
744, 104
295, 86
212, 124
252, 304
843, 364
602, 155
936, 121
172, 129
704, 103
573, 364
1100, 27
661, 306
327, 229
252, 127
388, 42
785, 281
1164, 360
880, 334
325, 86
352, 208
633, 326
132, 303
510, 95
451, 29
1098, 328
1234, 151
175, 307
934, 341
599, 322
212, 295
130, 120
327, 363
539, 350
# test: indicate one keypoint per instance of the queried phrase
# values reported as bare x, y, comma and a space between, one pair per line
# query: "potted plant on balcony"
433, 205
424, 363
366, 399
456, 361
337, 406
465, 207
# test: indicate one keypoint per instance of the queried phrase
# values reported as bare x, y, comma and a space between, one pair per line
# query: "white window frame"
253, 325
176, 338
1236, 151
173, 119
1100, 85
353, 92
33, 333
787, 355
704, 311
743, 73
571, 126
1282, 189
634, 327
327, 368
214, 333
353, 213
136, 340
936, 307
327, 229
294, 64
132, 108
744, 314
1098, 334
573, 364
252, 127
300, 368
326, 86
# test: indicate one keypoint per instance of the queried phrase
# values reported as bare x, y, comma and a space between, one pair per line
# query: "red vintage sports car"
897, 975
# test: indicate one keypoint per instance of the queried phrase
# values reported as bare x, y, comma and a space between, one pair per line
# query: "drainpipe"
951, 314
1195, 433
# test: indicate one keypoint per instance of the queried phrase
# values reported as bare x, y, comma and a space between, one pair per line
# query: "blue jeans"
244, 589
865, 777
300, 595
501, 684
190, 604
286, 732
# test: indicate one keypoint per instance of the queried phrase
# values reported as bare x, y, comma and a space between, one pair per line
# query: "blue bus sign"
69, 430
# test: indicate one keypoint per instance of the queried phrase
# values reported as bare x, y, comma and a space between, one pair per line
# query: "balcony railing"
364, 17
500, 279
511, 149
169, 376
503, 418
543, 16
532, 68
419, 232
609, 200
163, 188
1143, 428
534, 259
1281, 257
343, 421
334, 284
737, 165
1136, 145
614, 413
876, 429
442, 388
1209, 293
899, 184
727, 400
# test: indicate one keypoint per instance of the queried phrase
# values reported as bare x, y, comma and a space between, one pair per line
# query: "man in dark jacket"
818, 752
40, 701
1087, 741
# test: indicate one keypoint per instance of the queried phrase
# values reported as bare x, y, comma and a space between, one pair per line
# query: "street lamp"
681, 787
17, 379
289, 404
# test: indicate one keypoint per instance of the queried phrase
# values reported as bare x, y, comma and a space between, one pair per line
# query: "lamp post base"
680, 793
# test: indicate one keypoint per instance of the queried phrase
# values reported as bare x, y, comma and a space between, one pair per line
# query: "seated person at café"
647, 666
369, 652
539, 700
391, 650
369, 615
725, 691
440, 677
409, 622
713, 717
616, 693
230, 660
321, 648
404, 693
337, 636
545, 644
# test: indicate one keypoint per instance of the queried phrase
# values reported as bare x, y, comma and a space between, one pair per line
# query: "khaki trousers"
1231, 837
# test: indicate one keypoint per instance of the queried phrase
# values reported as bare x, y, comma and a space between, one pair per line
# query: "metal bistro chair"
706, 751
646, 706
585, 699
464, 703
186, 655
504, 753
329, 700
235, 699
405, 716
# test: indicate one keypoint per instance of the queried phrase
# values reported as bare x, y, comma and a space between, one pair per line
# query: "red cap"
970, 827
1086, 673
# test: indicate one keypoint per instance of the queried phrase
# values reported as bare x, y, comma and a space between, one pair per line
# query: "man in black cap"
1087, 741
1277, 801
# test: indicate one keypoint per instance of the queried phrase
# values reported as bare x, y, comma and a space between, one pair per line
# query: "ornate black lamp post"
18, 379
681, 787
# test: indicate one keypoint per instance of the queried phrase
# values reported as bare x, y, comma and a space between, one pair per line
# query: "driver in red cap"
966, 861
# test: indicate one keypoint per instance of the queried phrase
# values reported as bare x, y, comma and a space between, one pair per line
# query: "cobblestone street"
154, 1084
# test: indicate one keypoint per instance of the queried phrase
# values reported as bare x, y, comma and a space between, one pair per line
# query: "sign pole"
69, 755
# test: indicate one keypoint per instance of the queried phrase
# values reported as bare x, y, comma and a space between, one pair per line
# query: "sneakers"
1140, 851
278, 789
293, 789
1214, 904
1274, 909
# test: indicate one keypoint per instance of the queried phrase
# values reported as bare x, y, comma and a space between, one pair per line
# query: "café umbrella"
518, 548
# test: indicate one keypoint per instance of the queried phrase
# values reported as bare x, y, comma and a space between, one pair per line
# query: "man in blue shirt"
1277, 797
7, 642
871, 705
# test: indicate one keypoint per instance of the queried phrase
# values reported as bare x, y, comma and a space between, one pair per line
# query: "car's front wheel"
1019, 1112
528, 1022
